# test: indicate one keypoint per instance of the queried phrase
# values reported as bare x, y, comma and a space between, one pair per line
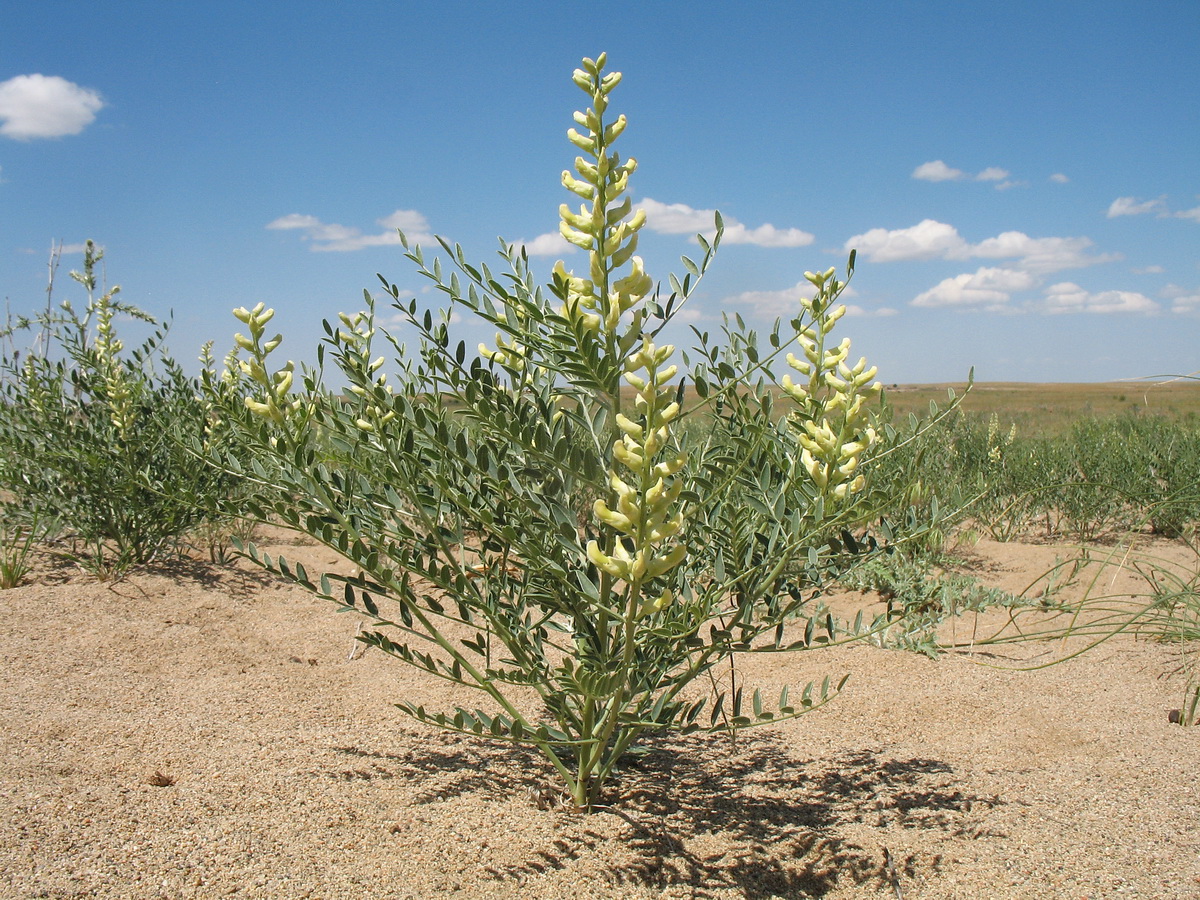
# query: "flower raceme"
604, 225
275, 405
834, 423
647, 514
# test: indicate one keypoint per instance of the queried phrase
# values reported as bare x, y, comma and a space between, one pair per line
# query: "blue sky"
1021, 180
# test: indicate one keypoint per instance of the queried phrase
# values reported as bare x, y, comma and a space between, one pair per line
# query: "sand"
200, 731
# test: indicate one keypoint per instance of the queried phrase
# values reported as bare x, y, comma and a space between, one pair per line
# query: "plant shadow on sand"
716, 815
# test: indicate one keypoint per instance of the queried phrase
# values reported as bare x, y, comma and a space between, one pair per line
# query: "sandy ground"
202, 732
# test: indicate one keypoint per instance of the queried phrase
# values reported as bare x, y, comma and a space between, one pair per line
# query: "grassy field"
1053, 408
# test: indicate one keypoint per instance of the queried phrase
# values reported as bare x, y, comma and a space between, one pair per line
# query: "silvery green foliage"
94, 441
578, 525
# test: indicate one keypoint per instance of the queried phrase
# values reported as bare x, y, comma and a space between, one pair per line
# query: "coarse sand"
202, 731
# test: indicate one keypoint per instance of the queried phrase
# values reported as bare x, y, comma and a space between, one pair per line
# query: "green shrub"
97, 442
544, 522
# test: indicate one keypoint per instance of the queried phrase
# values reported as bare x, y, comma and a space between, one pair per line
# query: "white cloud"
937, 171
785, 303
294, 220
45, 106
930, 239
1184, 301
1010, 183
1040, 254
1148, 270
854, 311
552, 243
987, 288
1193, 214
769, 304
679, 218
689, 315
1067, 297
1059, 178
343, 238
1131, 206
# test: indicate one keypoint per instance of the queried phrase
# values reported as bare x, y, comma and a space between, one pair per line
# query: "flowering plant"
561, 522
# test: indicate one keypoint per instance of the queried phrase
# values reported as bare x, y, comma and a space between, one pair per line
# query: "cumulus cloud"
930, 239
1131, 206
325, 237
1067, 297
986, 288
45, 106
769, 304
1193, 214
1184, 301
992, 173
1059, 178
679, 218
937, 171
1040, 254
550, 244
785, 303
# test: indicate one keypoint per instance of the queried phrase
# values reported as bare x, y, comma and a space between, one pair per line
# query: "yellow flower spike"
572, 236
669, 412
613, 131
587, 171
627, 457
617, 520
621, 488
604, 563
617, 213
630, 427
636, 362
575, 186
671, 466
636, 382
659, 565
627, 505
244, 342
581, 222
259, 409
653, 443
667, 530
656, 492
582, 79
641, 561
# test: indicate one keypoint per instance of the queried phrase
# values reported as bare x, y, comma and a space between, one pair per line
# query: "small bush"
575, 524
98, 441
